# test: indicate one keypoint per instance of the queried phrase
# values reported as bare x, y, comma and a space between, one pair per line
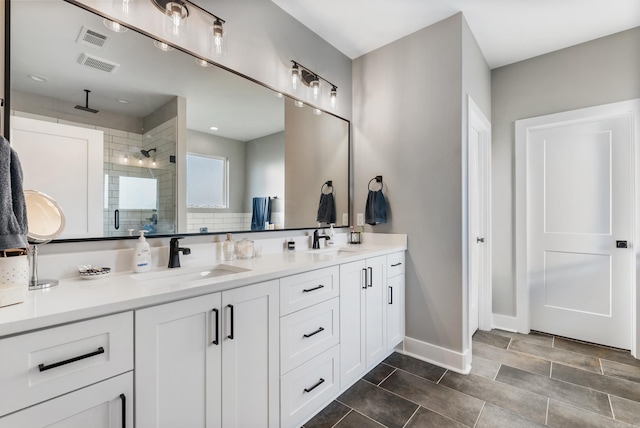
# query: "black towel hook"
328, 183
377, 179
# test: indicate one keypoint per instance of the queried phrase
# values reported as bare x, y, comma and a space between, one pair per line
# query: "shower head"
147, 153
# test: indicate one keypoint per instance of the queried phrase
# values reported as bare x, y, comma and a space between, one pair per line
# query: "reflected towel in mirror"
13, 211
326, 209
261, 213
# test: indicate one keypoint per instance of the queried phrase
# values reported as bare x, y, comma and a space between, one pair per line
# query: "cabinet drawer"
395, 264
44, 364
306, 289
306, 389
307, 333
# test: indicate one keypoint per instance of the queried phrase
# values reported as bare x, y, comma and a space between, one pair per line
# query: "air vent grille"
89, 37
96, 63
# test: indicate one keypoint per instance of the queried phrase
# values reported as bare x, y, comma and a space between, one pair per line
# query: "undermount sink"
180, 275
335, 250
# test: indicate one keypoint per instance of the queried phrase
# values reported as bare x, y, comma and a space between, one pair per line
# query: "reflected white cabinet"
362, 317
209, 361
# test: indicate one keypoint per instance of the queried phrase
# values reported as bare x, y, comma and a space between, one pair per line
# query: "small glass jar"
244, 249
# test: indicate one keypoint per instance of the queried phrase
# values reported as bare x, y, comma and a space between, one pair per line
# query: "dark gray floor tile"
378, 404
329, 416
584, 398
596, 351
356, 420
525, 403
440, 399
620, 387
378, 373
425, 418
491, 339
565, 416
536, 338
485, 368
573, 359
622, 371
415, 366
493, 416
625, 410
510, 358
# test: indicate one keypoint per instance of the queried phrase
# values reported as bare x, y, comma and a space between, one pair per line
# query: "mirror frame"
7, 118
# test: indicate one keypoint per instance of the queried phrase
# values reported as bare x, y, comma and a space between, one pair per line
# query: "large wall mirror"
126, 134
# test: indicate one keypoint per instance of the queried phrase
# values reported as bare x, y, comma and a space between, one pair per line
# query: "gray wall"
234, 151
598, 72
264, 168
407, 127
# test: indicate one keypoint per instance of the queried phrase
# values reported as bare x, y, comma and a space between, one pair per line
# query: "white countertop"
76, 298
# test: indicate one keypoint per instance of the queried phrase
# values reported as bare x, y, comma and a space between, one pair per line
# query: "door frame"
522, 130
478, 122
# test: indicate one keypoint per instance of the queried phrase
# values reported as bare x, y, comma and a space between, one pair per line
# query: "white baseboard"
506, 322
443, 357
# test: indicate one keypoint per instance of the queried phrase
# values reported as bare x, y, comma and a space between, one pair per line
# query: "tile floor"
517, 381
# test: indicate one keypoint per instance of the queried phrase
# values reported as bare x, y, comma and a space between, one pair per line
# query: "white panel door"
353, 360
579, 204
66, 163
376, 310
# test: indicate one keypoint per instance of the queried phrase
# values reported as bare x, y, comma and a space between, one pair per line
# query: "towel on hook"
376, 208
261, 213
326, 209
13, 210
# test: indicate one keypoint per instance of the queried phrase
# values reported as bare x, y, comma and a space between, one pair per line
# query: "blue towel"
326, 209
261, 213
376, 208
13, 210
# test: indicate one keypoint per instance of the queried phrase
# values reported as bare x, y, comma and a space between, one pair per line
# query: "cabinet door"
250, 356
353, 361
376, 310
178, 364
395, 311
106, 404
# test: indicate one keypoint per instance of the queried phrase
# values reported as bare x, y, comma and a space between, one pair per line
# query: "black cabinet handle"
217, 326
321, 329
230, 336
43, 367
116, 219
396, 264
124, 410
308, 290
364, 283
320, 382
390, 295
370, 276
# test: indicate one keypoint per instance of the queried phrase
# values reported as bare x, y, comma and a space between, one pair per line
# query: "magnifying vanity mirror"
46, 222
127, 136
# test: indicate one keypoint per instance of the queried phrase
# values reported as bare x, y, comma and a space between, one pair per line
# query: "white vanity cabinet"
74, 375
395, 300
363, 314
210, 361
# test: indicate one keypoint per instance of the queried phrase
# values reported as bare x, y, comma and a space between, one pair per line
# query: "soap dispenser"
332, 234
141, 254
228, 249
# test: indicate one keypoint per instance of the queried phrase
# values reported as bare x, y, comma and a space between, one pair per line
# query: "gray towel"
326, 209
13, 211
375, 211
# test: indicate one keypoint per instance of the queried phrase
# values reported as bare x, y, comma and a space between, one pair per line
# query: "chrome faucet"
174, 252
316, 239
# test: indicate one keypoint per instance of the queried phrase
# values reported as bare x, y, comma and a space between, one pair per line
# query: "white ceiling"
507, 31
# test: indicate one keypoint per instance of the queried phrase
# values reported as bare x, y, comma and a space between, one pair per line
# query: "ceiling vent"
96, 63
89, 37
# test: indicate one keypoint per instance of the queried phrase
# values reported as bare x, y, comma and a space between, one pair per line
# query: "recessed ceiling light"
317, 111
202, 62
37, 78
298, 103
114, 26
213, 128
123, 101
162, 46
279, 95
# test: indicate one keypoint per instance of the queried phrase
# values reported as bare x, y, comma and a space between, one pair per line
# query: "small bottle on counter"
228, 249
141, 254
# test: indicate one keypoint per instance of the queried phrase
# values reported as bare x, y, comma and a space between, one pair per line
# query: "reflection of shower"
147, 153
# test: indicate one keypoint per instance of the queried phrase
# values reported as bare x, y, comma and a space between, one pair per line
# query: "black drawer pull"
42, 367
321, 329
364, 283
370, 269
230, 336
217, 327
390, 295
308, 290
396, 264
123, 398
320, 382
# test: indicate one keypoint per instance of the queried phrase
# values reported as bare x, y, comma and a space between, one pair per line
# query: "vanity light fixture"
154, 161
122, 6
218, 45
114, 26
301, 74
126, 158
